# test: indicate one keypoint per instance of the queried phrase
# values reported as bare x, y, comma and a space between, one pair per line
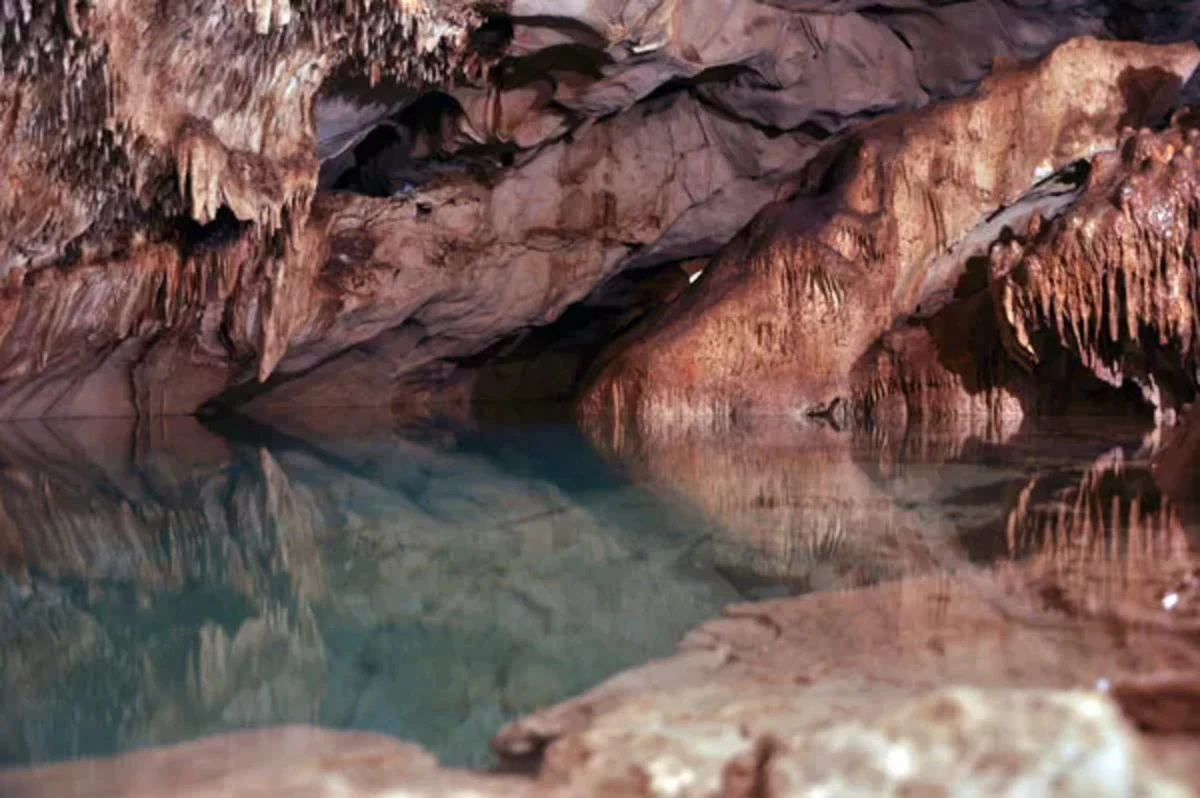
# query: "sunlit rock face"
782, 314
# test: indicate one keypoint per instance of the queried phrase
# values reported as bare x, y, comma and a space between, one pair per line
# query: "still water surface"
165, 581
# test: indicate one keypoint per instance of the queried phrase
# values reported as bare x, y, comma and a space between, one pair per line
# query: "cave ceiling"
301, 202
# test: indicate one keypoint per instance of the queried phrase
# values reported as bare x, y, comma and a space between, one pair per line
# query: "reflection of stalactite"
296, 521
1110, 544
241, 527
242, 677
793, 504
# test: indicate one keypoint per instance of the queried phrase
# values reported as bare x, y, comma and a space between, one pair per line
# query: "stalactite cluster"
1114, 281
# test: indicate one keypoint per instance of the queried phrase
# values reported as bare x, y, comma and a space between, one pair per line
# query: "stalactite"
1122, 262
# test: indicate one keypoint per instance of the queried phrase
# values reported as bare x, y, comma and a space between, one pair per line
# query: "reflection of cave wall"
1112, 542
160, 584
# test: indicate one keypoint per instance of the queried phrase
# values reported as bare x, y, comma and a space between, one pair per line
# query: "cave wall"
781, 316
265, 206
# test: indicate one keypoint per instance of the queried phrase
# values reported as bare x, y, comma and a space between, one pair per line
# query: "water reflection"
163, 581
807, 507
1056, 559
162, 585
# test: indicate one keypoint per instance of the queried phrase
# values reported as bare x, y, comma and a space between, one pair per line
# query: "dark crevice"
194, 238
414, 148
545, 365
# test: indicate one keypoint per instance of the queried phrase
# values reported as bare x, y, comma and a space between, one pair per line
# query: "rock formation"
780, 317
363, 195
746, 740
831, 254
753, 694
1113, 282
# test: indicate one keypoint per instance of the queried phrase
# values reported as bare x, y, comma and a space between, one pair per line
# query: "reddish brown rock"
443, 273
950, 374
761, 687
783, 313
292, 761
112, 108
1112, 284
1177, 463
134, 133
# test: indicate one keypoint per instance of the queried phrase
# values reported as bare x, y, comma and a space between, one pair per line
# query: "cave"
660, 398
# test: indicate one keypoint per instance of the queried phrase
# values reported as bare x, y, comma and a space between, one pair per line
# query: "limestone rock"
783, 312
443, 273
114, 107
747, 740
300, 761
157, 245
1113, 282
1075, 602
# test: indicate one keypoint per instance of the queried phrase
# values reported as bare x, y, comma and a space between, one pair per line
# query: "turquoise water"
163, 581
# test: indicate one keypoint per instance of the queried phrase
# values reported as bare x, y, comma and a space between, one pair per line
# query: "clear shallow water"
166, 581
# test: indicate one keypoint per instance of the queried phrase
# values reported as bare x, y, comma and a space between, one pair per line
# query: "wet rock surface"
845, 266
